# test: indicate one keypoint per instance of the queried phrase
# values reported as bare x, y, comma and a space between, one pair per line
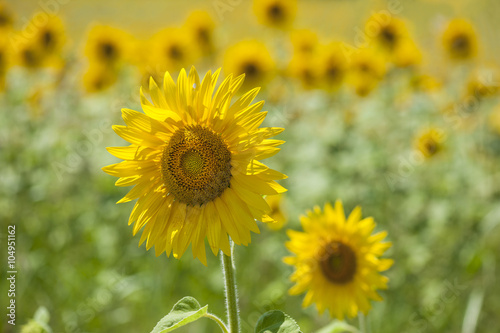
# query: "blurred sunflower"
172, 50
29, 55
6, 17
425, 83
200, 26
304, 42
406, 54
306, 69
107, 45
494, 120
391, 33
194, 161
482, 85
252, 58
459, 40
338, 261
366, 69
332, 65
275, 13
99, 77
4, 61
277, 213
50, 39
430, 142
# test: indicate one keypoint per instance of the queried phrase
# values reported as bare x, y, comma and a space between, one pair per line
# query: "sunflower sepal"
185, 311
276, 321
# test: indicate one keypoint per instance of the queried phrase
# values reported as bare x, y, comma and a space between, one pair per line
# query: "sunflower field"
318, 166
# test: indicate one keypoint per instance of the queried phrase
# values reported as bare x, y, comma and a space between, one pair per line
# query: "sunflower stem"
218, 321
363, 328
231, 291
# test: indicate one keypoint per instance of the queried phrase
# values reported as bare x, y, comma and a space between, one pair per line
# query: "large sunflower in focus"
337, 261
195, 162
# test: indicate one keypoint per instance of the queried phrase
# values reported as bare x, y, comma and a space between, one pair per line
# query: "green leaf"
337, 326
276, 321
184, 312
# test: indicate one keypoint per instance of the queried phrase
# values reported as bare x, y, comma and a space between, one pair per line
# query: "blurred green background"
76, 256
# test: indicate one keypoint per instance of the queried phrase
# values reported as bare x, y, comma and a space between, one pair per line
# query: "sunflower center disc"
196, 165
338, 263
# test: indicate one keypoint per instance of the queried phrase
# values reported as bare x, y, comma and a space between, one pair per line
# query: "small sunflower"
29, 55
425, 83
6, 17
4, 61
483, 84
200, 26
304, 42
391, 33
194, 161
50, 39
306, 69
107, 45
275, 13
338, 261
494, 120
277, 213
333, 66
459, 40
366, 69
430, 142
252, 58
172, 49
406, 54
99, 77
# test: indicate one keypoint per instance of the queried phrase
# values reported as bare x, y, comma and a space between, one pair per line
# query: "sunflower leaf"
184, 312
276, 321
338, 327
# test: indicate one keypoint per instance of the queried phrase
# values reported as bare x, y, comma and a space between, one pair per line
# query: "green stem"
362, 323
218, 321
231, 292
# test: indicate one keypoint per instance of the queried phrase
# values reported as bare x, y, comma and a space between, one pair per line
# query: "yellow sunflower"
194, 161
172, 49
304, 42
494, 120
277, 213
306, 69
459, 40
6, 17
252, 58
4, 61
366, 69
29, 55
99, 77
333, 66
200, 26
275, 13
338, 261
406, 54
50, 39
107, 45
391, 33
430, 142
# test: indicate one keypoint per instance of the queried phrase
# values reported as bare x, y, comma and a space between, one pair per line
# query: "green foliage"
184, 312
276, 321
337, 326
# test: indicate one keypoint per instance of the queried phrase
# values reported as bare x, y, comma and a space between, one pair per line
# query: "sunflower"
4, 61
483, 84
277, 213
425, 83
337, 261
494, 120
305, 68
107, 45
194, 161
200, 26
391, 33
459, 40
29, 55
304, 42
252, 58
50, 39
99, 77
6, 17
333, 66
172, 49
366, 69
430, 142
275, 13
406, 54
